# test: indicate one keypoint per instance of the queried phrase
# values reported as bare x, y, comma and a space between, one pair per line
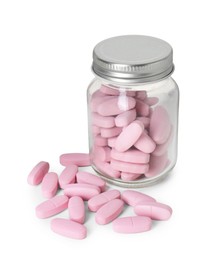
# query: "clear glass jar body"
133, 130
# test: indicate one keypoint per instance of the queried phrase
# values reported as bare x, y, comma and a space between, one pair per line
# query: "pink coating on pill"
129, 136
110, 132
145, 121
49, 185
116, 105
157, 165
68, 175
125, 118
162, 148
145, 143
38, 172
160, 125
129, 167
127, 176
154, 210
112, 141
97, 100
103, 121
132, 197
76, 209
141, 95
79, 159
142, 108
102, 153
85, 191
68, 228
106, 168
98, 201
52, 206
89, 178
151, 101
132, 155
109, 211
129, 225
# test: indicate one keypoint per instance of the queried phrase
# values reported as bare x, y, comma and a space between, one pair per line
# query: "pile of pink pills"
130, 135
79, 186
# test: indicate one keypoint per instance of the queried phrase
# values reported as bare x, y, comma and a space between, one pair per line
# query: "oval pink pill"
142, 108
145, 144
110, 132
109, 211
68, 175
160, 125
100, 141
79, 159
125, 118
103, 121
129, 136
89, 178
154, 210
38, 172
68, 228
106, 168
129, 225
129, 167
102, 153
131, 155
116, 105
127, 176
157, 165
85, 191
98, 201
49, 185
109, 91
52, 207
76, 209
132, 197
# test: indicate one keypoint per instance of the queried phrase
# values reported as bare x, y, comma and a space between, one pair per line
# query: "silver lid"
133, 59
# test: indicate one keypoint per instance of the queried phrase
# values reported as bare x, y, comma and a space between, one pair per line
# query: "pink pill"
38, 172
110, 132
106, 169
68, 175
162, 148
154, 210
97, 100
68, 228
160, 125
96, 130
103, 121
145, 144
129, 136
125, 118
85, 191
98, 201
109, 91
100, 141
127, 176
49, 185
132, 155
89, 178
157, 165
52, 206
141, 95
76, 209
129, 167
129, 225
102, 153
79, 159
142, 108
151, 101
116, 105
109, 211
145, 121
132, 197
112, 141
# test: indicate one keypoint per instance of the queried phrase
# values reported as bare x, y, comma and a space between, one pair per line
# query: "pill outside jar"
133, 110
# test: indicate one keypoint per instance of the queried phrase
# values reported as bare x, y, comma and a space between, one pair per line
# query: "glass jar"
133, 110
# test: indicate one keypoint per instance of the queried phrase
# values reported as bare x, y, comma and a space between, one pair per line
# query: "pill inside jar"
133, 110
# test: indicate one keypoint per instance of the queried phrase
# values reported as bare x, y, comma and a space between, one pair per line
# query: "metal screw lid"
133, 59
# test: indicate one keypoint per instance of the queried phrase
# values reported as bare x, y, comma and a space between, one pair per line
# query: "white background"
45, 58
